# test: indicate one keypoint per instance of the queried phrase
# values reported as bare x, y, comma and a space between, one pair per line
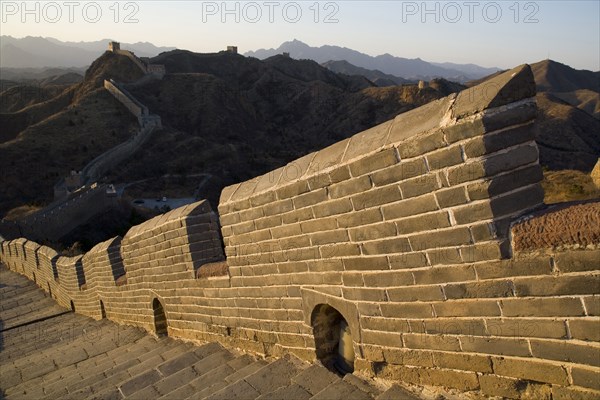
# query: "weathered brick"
578, 353
494, 385
420, 185
444, 274
407, 260
364, 294
585, 329
467, 308
408, 357
415, 293
310, 198
466, 172
399, 172
318, 225
501, 346
374, 162
337, 250
557, 285
505, 183
509, 204
300, 215
385, 324
410, 207
268, 222
494, 142
518, 266
349, 187
374, 231
481, 289
388, 279
433, 342
529, 369
366, 263
592, 305
376, 197
463, 362
263, 198
422, 144
493, 250
573, 393
334, 207
441, 238
445, 256
406, 310
388, 246
292, 190
576, 261
454, 326
339, 174
585, 377
451, 197
390, 339
328, 237
423, 222
521, 327
463, 130
542, 307
359, 218
326, 265
444, 158
482, 232
285, 231
278, 207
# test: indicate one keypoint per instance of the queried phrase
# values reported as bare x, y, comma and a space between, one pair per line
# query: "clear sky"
488, 33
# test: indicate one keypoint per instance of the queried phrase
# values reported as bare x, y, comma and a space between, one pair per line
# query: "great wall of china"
405, 232
71, 209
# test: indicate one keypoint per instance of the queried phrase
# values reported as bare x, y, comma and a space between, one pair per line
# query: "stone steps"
74, 357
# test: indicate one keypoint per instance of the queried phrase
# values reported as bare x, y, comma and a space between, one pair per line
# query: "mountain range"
411, 69
38, 52
234, 117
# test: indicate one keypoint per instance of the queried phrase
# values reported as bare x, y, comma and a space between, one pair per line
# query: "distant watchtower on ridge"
232, 49
114, 46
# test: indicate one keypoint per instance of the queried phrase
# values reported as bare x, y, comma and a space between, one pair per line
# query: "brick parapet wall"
450, 305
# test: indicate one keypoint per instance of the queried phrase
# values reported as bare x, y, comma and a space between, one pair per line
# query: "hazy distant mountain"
38, 52
412, 69
377, 77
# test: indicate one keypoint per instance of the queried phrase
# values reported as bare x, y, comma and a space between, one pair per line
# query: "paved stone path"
47, 352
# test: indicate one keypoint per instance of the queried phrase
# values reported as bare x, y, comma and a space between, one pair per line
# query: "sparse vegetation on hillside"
568, 185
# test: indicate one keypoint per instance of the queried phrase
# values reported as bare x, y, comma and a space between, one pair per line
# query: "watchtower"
114, 46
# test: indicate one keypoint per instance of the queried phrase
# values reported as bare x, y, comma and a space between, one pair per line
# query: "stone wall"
61, 217
404, 231
131, 103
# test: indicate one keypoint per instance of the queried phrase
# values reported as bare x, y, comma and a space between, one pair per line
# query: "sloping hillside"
43, 142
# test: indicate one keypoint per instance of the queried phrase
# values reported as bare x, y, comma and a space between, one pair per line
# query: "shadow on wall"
333, 339
202, 233
160, 318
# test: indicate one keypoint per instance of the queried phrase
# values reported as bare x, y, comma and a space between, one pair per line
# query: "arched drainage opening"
160, 318
102, 310
333, 339
72, 306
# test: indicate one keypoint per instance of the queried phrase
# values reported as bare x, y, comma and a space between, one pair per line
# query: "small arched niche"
333, 339
160, 318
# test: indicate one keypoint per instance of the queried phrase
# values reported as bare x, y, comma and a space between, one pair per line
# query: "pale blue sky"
487, 33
